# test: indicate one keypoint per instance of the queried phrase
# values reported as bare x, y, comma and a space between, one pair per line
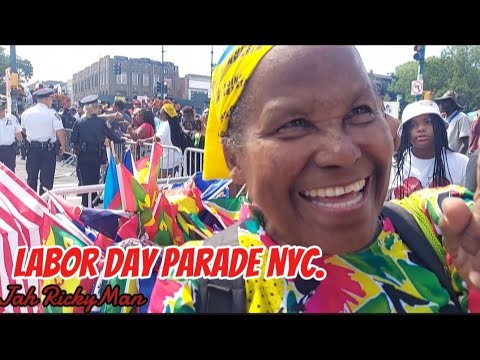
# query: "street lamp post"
211, 64
13, 70
162, 73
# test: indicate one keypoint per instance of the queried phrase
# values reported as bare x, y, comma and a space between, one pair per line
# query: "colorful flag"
129, 202
229, 207
131, 229
105, 221
57, 232
111, 183
142, 166
153, 170
21, 220
187, 199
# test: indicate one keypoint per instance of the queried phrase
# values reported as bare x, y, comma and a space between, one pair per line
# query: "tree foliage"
24, 69
458, 69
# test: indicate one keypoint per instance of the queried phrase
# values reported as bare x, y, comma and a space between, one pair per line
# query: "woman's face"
137, 118
317, 150
421, 133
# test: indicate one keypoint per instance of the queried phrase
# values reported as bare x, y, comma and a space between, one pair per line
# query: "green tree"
463, 74
457, 69
24, 69
402, 81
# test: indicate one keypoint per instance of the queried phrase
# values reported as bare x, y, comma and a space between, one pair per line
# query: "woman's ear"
232, 160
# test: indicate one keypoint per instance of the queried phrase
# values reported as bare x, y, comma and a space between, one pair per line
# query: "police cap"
43, 93
90, 99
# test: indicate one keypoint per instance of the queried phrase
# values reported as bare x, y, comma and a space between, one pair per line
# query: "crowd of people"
39, 135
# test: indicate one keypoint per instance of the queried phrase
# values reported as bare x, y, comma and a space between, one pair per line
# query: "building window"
119, 79
124, 77
145, 79
135, 79
156, 79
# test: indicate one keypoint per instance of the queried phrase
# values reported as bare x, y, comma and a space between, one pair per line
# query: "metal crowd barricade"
172, 159
175, 167
69, 158
73, 189
192, 161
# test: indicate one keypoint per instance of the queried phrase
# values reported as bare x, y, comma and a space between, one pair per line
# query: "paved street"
64, 176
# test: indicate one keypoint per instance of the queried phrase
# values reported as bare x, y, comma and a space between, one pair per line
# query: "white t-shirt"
171, 158
418, 173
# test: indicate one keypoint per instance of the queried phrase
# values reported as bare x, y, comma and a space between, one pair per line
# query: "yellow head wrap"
170, 110
229, 78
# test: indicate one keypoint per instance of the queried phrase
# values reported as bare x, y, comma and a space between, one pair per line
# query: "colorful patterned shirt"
385, 277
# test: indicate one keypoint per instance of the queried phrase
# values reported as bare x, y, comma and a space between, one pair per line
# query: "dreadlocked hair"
440, 166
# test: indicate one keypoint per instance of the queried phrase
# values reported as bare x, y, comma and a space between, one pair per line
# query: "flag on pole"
111, 182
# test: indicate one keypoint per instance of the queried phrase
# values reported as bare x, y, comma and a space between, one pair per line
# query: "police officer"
88, 140
43, 126
10, 131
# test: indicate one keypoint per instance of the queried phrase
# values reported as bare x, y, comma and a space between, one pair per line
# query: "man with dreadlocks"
424, 158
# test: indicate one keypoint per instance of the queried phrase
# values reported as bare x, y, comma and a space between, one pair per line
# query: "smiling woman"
302, 127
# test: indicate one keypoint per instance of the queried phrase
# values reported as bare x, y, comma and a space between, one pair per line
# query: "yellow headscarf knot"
229, 78
170, 110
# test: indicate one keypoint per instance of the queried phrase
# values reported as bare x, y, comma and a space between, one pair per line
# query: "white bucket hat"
419, 108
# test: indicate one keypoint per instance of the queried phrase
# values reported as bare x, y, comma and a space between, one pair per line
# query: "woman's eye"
361, 114
296, 123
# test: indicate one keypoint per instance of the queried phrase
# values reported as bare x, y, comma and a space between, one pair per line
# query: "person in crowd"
302, 128
474, 134
120, 125
458, 130
188, 119
10, 134
88, 141
424, 158
171, 159
43, 126
67, 118
143, 125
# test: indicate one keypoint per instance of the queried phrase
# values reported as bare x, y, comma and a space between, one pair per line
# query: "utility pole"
211, 65
162, 73
13, 73
420, 57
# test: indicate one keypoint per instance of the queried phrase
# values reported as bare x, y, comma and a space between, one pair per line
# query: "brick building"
138, 77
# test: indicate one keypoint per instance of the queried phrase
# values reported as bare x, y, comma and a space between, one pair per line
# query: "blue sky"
59, 62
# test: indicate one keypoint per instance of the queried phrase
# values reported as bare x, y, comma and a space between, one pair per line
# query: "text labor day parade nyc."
139, 262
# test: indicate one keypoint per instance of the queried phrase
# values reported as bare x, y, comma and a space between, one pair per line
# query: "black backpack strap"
222, 296
413, 236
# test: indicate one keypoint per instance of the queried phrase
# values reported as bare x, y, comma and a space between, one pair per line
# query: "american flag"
21, 219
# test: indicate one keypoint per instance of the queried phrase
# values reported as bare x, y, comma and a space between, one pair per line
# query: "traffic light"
419, 52
165, 88
159, 87
119, 68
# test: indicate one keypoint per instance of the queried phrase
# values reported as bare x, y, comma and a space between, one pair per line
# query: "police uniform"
9, 127
88, 140
41, 124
